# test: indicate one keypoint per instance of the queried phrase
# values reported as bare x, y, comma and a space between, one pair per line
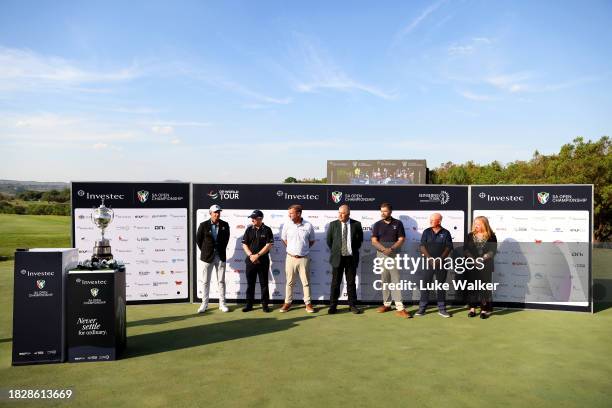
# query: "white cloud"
183, 124
323, 73
221, 82
23, 69
476, 97
243, 90
417, 21
44, 121
469, 47
163, 130
55, 131
513, 83
460, 50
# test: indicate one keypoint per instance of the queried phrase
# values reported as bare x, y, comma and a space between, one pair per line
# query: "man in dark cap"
256, 242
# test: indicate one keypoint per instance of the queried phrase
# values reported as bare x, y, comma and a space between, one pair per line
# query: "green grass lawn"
175, 357
32, 231
178, 358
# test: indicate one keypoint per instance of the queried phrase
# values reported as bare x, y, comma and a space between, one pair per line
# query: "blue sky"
256, 91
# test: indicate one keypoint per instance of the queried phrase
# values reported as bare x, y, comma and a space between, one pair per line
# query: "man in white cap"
212, 239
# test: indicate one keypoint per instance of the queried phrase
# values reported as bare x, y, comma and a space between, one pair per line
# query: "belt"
296, 256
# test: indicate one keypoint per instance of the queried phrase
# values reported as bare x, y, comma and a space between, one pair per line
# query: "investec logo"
502, 198
109, 196
224, 194
91, 282
288, 196
25, 272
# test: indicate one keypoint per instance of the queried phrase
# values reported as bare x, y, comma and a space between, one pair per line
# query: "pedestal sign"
39, 305
96, 315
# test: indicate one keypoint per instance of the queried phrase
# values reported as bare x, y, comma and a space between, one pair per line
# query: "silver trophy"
102, 217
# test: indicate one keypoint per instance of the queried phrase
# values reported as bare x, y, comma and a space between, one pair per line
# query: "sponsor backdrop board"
544, 243
371, 172
412, 205
149, 234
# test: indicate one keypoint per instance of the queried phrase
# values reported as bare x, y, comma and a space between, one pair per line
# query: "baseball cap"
215, 208
256, 214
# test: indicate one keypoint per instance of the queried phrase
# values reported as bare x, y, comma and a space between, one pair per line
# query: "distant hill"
15, 186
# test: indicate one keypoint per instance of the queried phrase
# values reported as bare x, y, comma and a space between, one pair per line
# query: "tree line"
52, 202
578, 162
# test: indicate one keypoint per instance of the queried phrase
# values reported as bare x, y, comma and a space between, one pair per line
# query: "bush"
30, 195
56, 196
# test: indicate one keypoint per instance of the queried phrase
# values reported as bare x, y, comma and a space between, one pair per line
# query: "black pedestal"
96, 315
38, 305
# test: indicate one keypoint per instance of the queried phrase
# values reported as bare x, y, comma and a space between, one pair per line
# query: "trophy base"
102, 250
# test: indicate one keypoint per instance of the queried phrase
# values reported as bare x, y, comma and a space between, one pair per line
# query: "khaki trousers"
293, 267
390, 275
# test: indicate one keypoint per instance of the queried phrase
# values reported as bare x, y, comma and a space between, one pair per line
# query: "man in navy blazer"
212, 239
344, 239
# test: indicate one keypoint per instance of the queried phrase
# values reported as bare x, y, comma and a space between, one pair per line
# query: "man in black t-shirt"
256, 242
388, 236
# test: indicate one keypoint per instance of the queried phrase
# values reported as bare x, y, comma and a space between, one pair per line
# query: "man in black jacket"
212, 239
344, 239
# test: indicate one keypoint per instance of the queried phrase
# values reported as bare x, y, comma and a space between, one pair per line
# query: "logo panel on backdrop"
412, 206
149, 234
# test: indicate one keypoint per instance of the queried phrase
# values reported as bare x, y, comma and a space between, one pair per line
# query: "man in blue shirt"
436, 245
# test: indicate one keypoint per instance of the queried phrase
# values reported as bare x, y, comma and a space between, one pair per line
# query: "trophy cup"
102, 217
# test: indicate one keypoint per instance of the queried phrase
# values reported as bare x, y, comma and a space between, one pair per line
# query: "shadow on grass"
601, 306
602, 295
501, 312
177, 339
160, 320
6, 340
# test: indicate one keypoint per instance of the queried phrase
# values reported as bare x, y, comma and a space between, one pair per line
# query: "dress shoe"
472, 314
309, 308
383, 309
355, 310
247, 308
266, 309
285, 308
332, 310
403, 314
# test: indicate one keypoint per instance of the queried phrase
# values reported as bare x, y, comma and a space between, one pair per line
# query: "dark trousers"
480, 298
252, 272
427, 277
347, 266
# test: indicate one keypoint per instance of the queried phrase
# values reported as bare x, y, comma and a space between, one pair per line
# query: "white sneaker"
202, 307
223, 308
